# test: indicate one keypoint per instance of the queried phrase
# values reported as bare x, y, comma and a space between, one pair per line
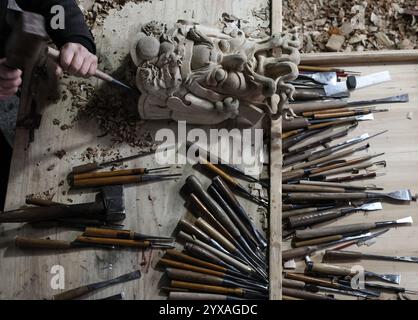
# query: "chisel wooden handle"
311, 280
305, 220
298, 252
202, 224
85, 168
297, 212
337, 114
299, 108
200, 296
194, 261
334, 230
109, 233
312, 242
106, 181
291, 175
294, 124
334, 110
55, 56
327, 196
219, 172
339, 255
28, 243
330, 269
206, 288
189, 267
191, 276
193, 230
293, 284
114, 242
306, 188
304, 294
115, 173
200, 252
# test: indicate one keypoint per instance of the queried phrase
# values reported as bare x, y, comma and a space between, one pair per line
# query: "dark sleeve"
76, 29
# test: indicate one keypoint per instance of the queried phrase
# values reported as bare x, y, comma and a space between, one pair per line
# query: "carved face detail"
194, 73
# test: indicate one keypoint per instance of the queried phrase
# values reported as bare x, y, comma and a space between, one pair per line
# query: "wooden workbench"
152, 208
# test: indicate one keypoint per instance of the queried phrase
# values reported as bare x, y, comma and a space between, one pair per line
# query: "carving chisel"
351, 228
340, 255
81, 291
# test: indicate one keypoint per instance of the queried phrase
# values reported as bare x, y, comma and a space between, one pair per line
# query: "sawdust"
45, 195
60, 154
366, 25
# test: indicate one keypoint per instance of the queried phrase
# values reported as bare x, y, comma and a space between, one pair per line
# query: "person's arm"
75, 41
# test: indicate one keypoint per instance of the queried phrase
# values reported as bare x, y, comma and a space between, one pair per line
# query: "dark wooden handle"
194, 261
327, 196
196, 296
306, 188
72, 294
192, 229
304, 294
330, 269
189, 267
107, 181
191, 276
205, 288
312, 242
312, 280
296, 212
85, 168
335, 230
293, 284
297, 252
28, 243
300, 108
115, 173
294, 174
202, 224
114, 242
294, 124
309, 219
338, 255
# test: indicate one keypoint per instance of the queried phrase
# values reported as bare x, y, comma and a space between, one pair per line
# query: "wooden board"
401, 171
152, 209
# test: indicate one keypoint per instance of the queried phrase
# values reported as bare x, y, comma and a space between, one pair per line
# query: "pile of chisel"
317, 190
224, 252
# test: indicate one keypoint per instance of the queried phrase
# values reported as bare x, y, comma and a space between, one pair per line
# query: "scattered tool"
118, 173
351, 228
381, 287
400, 195
339, 255
123, 234
310, 219
329, 269
121, 180
93, 166
82, 291
325, 69
109, 206
300, 252
305, 295
346, 186
355, 177
300, 108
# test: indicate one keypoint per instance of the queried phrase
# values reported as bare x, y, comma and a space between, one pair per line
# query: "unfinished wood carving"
206, 75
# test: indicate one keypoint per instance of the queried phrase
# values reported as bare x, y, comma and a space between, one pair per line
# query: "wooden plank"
367, 57
401, 171
275, 229
152, 208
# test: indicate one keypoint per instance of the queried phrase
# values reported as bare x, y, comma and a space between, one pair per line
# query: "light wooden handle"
334, 230
192, 229
191, 276
327, 196
330, 269
108, 233
215, 235
313, 113
334, 115
194, 261
115, 173
306, 188
107, 181
114, 242
220, 173
28, 243
205, 288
